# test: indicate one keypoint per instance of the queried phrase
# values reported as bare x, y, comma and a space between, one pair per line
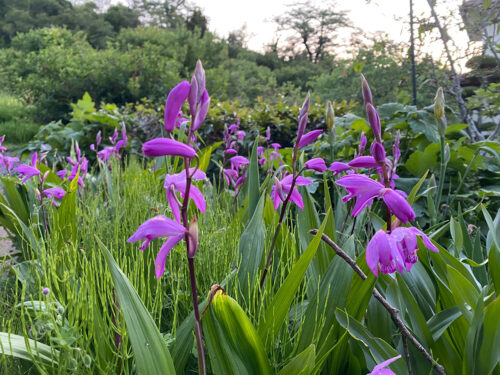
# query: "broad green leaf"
494, 267
233, 343
415, 315
489, 350
413, 193
251, 248
151, 352
302, 363
308, 219
184, 338
204, 156
379, 349
420, 161
465, 293
494, 229
24, 348
277, 309
456, 234
330, 229
253, 181
442, 320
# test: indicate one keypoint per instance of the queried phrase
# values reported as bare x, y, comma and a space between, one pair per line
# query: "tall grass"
16, 120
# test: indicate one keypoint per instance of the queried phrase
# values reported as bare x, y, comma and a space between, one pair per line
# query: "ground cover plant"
353, 246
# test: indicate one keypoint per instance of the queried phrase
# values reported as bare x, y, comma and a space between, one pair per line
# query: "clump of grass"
16, 120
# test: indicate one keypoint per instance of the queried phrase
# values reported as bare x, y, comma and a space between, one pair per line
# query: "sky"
388, 16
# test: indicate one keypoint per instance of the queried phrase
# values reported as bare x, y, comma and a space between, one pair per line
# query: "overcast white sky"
388, 16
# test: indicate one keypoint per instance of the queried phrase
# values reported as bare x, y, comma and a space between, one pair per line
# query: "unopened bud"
303, 115
305, 106
193, 96
199, 73
365, 89
330, 116
193, 237
374, 121
439, 104
378, 153
279, 188
432, 182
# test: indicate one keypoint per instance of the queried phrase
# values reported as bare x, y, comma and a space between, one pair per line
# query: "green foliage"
16, 120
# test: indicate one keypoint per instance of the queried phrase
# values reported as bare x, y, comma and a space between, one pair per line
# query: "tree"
120, 16
197, 21
312, 27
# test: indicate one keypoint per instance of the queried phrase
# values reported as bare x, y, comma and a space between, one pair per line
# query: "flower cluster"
6, 161
235, 175
178, 186
79, 166
114, 150
395, 248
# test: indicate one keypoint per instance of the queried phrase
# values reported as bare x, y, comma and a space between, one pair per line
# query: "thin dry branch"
394, 312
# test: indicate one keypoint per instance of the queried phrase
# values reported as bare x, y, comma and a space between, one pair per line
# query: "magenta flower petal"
361, 187
231, 151
379, 369
55, 192
363, 162
197, 196
174, 204
176, 97
167, 146
308, 138
26, 171
238, 161
398, 205
233, 128
336, 167
316, 164
276, 146
382, 251
202, 110
158, 226
296, 198
301, 181
161, 257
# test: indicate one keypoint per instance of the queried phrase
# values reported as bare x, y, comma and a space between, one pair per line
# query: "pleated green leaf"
301, 364
24, 348
278, 307
151, 352
233, 343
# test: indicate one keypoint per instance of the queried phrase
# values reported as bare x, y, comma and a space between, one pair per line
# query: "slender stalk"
276, 233
394, 312
442, 172
192, 275
407, 354
44, 214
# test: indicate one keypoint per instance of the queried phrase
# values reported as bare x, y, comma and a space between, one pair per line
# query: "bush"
16, 120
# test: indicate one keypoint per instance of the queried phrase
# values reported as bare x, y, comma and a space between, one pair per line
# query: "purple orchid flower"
167, 146
316, 164
268, 134
156, 227
8, 161
262, 161
275, 146
380, 370
363, 162
177, 183
260, 151
230, 151
114, 137
364, 189
240, 134
406, 239
280, 188
238, 161
336, 167
28, 171
308, 138
55, 192
233, 128
231, 176
382, 251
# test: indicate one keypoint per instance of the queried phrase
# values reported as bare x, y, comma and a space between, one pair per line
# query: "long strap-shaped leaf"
20, 347
279, 306
151, 352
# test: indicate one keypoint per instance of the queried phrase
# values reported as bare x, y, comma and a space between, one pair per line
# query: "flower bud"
199, 74
365, 90
330, 116
279, 189
439, 104
193, 237
374, 121
46, 291
378, 153
193, 96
